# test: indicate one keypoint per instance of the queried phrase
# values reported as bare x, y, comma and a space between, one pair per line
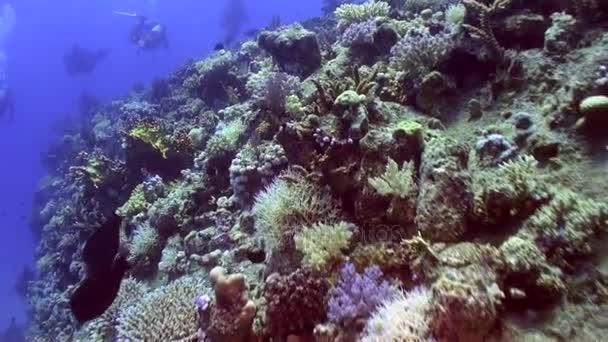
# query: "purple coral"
203, 302
359, 34
357, 295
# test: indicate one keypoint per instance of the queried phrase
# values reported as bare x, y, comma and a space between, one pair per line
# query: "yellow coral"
396, 181
165, 314
135, 204
323, 243
151, 135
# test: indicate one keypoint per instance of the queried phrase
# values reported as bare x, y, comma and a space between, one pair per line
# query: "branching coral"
484, 32
566, 227
402, 317
165, 314
290, 202
102, 328
270, 90
417, 6
323, 243
396, 181
513, 189
356, 296
329, 90
144, 249
348, 14
225, 139
419, 51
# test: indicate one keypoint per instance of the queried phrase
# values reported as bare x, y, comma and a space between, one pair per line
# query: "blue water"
44, 93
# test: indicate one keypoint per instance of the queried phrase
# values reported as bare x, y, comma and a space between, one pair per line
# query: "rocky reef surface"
408, 170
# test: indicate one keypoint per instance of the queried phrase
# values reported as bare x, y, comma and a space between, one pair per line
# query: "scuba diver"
82, 61
147, 33
7, 103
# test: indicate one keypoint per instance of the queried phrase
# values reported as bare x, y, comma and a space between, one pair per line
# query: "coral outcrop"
395, 171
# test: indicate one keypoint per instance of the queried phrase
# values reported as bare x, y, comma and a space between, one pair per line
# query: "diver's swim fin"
125, 14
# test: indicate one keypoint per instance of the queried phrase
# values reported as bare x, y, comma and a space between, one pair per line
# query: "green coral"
151, 135
323, 243
513, 189
348, 14
396, 181
594, 104
144, 248
289, 203
409, 129
568, 225
525, 262
204, 68
349, 98
294, 106
225, 139
136, 203
94, 170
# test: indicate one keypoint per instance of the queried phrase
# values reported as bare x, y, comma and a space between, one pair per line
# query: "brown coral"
231, 316
295, 303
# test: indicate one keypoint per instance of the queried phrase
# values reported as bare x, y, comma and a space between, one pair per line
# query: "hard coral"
151, 135
230, 316
295, 303
294, 48
102, 328
466, 304
348, 14
444, 199
166, 314
566, 227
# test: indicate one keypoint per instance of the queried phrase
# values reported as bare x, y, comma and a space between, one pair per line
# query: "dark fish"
105, 268
82, 61
23, 217
218, 47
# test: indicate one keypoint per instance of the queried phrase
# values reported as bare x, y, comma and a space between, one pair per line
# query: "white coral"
402, 318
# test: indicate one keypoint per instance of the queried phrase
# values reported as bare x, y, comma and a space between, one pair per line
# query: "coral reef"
395, 171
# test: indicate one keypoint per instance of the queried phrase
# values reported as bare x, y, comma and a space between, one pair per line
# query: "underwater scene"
327, 170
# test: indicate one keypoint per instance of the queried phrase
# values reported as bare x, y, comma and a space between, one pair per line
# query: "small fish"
219, 47
105, 269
